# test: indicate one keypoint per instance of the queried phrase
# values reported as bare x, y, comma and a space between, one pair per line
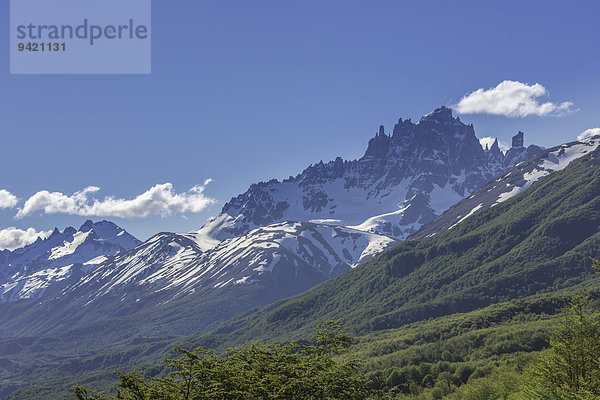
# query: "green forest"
497, 353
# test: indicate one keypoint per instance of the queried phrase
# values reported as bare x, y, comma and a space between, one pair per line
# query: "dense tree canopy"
257, 371
570, 369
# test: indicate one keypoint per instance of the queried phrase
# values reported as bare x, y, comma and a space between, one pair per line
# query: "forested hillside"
537, 242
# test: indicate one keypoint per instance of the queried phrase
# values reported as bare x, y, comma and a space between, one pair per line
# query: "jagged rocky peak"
87, 226
403, 181
69, 230
517, 140
403, 128
379, 145
518, 152
103, 229
54, 233
436, 131
439, 116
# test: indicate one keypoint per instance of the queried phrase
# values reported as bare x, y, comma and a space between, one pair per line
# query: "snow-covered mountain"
513, 182
403, 181
289, 256
49, 264
276, 239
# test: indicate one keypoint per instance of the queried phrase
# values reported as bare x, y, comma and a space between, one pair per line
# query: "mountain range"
483, 227
285, 236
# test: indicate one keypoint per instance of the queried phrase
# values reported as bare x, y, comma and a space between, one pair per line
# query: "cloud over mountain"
13, 238
588, 133
158, 200
511, 99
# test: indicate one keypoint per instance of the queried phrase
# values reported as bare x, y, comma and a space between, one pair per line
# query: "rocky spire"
379, 145
495, 148
517, 140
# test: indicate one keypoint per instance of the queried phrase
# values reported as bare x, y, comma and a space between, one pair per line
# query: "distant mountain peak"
87, 225
442, 114
49, 264
494, 149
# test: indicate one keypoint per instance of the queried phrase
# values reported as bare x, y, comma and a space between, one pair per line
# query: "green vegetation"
484, 351
495, 353
571, 368
459, 356
257, 371
463, 357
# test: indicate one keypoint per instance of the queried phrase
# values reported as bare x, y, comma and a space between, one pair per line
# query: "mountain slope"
537, 241
501, 332
517, 179
47, 265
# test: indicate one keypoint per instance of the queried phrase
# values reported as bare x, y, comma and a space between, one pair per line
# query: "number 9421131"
50, 46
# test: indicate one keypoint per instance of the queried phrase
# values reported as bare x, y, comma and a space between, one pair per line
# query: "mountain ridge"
515, 248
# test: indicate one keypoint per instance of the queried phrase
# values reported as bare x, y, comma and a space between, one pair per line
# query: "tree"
257, 371
571, 367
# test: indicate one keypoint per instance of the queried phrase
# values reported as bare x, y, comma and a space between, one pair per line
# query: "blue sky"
248, 91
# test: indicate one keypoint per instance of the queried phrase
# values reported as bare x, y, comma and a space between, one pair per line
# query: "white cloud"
158, 200
511, 99
13, 238
7, 199
588, 133
489, 141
